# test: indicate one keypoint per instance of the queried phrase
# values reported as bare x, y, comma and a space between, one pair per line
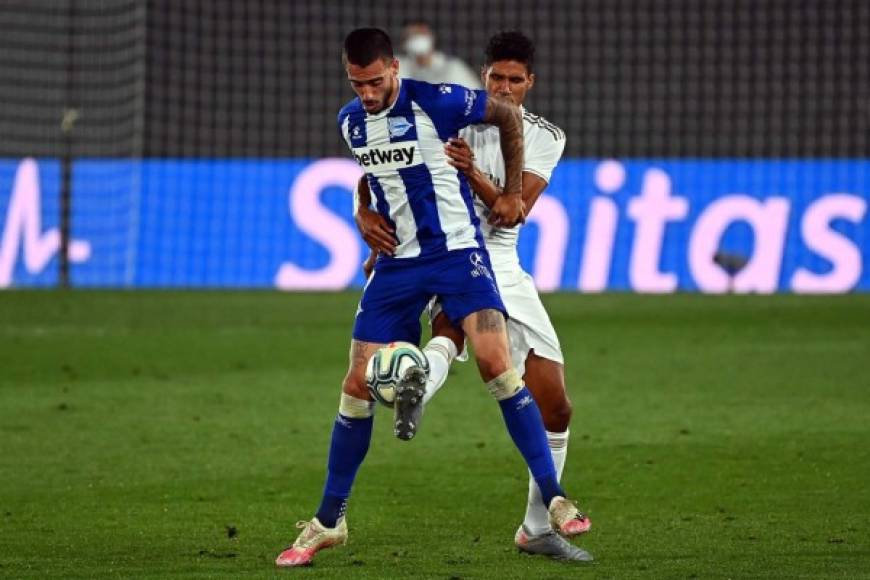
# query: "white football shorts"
529, 326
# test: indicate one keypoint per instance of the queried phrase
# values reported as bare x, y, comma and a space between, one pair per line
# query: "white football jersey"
543, 143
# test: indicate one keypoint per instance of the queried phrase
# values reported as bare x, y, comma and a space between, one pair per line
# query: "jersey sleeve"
343, 120
451, 107
543, 152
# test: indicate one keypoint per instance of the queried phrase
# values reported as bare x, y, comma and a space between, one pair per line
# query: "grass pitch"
181, 435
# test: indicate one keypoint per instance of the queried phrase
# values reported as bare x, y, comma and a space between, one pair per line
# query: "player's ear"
394, 66
531, 80
483, 75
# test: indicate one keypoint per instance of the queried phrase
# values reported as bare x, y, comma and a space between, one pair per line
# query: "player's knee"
492, 365
557, 415
492, 359
354, 384
442, 326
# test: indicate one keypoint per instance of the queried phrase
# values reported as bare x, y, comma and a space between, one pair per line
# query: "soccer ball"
388, 365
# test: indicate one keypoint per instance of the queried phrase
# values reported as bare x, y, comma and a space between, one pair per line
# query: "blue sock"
524, 423
350, 443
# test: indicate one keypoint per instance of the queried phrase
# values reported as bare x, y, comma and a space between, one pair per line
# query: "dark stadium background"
262, 78
179, 430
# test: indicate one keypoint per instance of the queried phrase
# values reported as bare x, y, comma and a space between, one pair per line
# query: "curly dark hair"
511, 45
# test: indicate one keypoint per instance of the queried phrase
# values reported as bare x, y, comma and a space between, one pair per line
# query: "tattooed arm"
507, 211
460, 156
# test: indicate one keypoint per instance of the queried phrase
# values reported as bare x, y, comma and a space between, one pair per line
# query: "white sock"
440, 351
537, 518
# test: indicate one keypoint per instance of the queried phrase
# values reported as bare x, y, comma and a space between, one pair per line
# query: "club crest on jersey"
398, 126
478, 266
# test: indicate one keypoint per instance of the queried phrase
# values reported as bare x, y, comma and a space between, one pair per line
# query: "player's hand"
376, 231
369, 265
507, 211
459, 154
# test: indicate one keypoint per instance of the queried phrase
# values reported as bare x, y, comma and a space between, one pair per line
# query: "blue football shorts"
399, 290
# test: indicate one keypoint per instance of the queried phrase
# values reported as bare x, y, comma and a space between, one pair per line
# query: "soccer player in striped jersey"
535, 349
397, 129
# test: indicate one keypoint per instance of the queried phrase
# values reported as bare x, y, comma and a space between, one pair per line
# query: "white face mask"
419, 44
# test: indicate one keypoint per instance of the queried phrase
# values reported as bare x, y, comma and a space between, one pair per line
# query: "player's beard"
388, 97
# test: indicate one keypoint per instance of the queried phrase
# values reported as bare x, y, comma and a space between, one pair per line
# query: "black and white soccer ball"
387, 366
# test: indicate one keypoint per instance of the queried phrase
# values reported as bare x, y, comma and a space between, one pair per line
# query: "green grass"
713, 437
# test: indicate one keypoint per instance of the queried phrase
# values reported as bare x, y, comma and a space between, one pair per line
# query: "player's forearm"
363, 195
512, 151
507, 117
485, 189
533, 186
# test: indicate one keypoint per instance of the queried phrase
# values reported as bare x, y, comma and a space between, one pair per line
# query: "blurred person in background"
423, 63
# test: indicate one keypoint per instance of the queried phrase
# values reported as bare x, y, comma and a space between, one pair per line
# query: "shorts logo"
445, 89
478, 266
398, 126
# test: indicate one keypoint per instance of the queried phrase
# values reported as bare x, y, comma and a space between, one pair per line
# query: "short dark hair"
363, 46
511, 45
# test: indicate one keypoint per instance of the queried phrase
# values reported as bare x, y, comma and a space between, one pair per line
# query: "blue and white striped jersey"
401, 149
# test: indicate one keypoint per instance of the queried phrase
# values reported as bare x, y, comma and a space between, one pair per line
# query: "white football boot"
550, 544
566, 519
313, 538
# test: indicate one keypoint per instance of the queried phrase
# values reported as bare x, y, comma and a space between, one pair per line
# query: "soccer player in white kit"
535, 349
